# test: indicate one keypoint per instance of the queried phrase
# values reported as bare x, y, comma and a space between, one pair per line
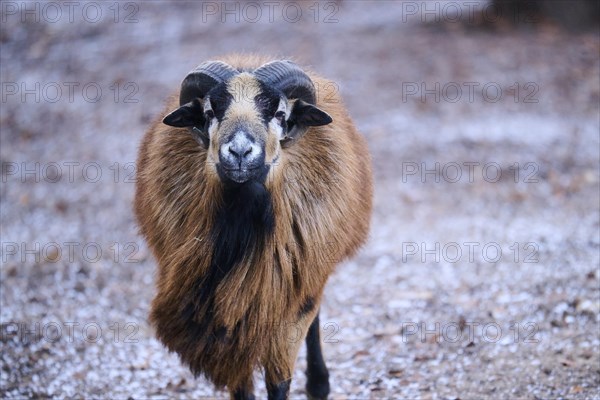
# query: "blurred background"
481, 275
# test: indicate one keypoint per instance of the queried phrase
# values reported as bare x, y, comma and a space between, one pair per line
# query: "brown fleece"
321, 190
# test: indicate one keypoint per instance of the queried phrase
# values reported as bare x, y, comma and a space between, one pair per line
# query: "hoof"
317, 391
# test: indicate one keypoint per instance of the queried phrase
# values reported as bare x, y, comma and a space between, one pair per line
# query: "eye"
280, 115
209, 114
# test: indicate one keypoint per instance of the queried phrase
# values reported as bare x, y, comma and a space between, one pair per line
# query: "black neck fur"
242, 226
243, 223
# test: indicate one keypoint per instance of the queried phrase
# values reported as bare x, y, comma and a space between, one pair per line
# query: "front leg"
244, 392
317, 376
278, 391
281, 357
278, 375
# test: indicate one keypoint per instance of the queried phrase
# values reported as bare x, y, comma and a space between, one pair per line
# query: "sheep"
248, 194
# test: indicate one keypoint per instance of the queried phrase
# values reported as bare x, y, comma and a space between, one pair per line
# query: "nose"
240, 152
240, 149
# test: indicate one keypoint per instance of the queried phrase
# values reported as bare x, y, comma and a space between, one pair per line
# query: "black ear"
304, 114
189, 114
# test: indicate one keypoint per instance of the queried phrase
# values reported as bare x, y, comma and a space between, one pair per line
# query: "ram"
249, 193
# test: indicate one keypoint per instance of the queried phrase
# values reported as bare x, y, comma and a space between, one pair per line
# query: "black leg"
242, 394
278, 391
245, 392
317, 383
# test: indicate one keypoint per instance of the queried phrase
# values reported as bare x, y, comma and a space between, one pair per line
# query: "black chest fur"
242, 225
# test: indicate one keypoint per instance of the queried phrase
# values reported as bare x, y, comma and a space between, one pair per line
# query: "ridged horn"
289, 78
203, 78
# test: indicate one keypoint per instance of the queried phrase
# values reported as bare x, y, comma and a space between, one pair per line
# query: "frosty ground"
480, 278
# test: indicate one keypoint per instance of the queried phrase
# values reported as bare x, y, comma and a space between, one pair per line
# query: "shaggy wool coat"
257, 314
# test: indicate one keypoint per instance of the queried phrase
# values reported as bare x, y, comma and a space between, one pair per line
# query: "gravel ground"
481, 276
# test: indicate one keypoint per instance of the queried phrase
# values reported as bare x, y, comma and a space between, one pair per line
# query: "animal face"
244, 131
245, 122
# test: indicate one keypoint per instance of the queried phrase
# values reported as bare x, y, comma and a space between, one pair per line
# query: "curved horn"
199, 81
289, 78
